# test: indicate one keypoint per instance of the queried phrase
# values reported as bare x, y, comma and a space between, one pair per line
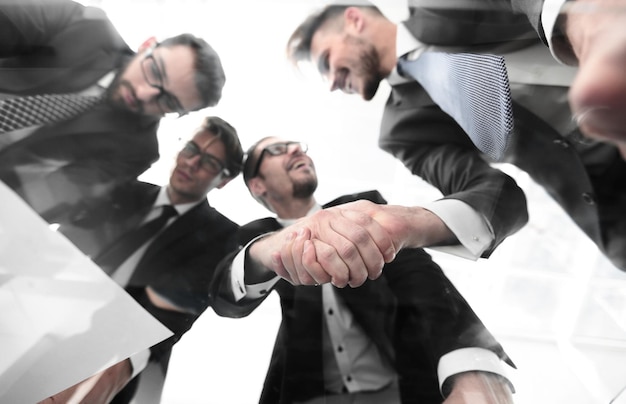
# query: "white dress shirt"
359, 359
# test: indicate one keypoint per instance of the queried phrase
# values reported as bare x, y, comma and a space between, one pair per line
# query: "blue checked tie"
21, 112
471, 88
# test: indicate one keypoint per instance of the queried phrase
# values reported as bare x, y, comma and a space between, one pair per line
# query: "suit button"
561, 142
588, 198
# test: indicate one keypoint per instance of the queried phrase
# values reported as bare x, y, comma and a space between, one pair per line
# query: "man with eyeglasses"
53, 153
169, 270
406, 337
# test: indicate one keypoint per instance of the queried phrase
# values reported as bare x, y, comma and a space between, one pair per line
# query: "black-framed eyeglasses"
208, 162
276, 149
154, 77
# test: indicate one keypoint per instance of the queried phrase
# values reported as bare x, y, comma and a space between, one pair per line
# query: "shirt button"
263, 291
339, 348
348, 378
330, 312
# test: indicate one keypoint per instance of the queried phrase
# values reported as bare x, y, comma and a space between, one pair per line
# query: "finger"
377, 233
332, 264
312, 265
279, 268
297, 254
359, 250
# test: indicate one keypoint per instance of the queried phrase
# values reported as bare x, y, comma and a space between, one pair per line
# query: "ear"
256, 186
354, 19
147, 44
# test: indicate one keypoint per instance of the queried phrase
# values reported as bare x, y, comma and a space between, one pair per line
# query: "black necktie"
21, 112
120, 250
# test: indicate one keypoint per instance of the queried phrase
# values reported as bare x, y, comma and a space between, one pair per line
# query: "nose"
295, 149
192, 161
147, 93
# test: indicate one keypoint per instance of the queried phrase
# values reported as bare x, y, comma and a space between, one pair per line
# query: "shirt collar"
164, 199
289, 222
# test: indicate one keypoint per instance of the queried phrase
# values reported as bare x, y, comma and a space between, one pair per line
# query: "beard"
113, 91
304, 189
368, 67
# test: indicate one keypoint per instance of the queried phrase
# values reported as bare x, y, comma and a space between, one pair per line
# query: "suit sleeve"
432, 146
222, 295
28, 24
433, 318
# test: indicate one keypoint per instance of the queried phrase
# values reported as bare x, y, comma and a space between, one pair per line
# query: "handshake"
347, 244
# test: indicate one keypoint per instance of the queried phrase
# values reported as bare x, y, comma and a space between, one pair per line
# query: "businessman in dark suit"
358, 47
401, 338
169, 274
59, 46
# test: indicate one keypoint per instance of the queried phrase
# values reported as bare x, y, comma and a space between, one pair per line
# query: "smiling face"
157, 80
190, 181
349, 63
286, 176
345, 54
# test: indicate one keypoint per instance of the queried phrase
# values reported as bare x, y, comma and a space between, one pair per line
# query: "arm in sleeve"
28, 24
442, 319
433, 147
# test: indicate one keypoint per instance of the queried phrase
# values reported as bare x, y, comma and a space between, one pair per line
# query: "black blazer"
59, 46
178, 264
587, 180
412, 308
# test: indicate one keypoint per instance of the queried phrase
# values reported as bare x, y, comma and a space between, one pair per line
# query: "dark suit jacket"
58, 46
412, 308
178, 264
587, 180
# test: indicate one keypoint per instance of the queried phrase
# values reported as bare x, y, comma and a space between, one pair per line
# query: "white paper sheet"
62, 318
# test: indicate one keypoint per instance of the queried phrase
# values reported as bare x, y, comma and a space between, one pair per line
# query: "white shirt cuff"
470, 360
549, 15
139, 361
471, 229
237, 277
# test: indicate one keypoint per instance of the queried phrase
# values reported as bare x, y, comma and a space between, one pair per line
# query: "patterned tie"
120, 250
22, 112
471, 88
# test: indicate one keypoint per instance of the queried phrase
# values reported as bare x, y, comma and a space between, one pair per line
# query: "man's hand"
596, 29
98, 389
341, 246
479, 388
350, 243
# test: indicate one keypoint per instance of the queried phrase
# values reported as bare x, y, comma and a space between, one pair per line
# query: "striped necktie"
21, 112
471, 88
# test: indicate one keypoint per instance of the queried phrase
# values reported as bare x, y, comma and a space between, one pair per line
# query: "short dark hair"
210, 76
299, 43
251, 159
228, 135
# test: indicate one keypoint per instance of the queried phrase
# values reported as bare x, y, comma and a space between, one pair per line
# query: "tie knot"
169, 211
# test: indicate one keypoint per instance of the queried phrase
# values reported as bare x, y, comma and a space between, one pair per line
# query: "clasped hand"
341, 245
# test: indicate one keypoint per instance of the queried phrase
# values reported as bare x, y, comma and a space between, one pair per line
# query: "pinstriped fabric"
473, 89
22, 112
